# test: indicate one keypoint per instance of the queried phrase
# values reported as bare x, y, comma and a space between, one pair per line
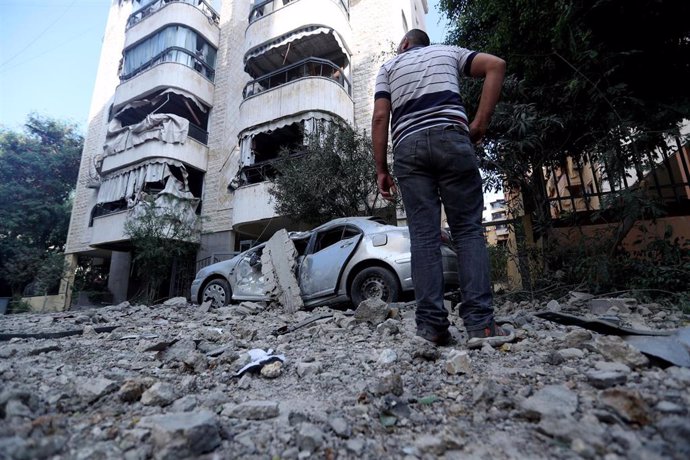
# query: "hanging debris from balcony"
164, 127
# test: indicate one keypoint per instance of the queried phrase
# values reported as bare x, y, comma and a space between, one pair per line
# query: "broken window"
249, 277
264, 148
333, 236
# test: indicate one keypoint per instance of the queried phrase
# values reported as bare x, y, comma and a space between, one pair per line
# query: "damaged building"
193, 102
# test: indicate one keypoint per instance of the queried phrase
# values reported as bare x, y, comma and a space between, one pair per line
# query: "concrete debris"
278, 266
162, 385
372, 311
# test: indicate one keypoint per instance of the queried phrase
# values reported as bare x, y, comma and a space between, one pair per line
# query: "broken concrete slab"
668, 349
183, 435
596, 325
372, 311
278, 266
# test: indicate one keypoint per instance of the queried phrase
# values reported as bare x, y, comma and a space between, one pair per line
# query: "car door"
328, 253
246, 279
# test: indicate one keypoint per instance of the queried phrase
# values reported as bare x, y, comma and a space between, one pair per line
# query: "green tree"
160, 235
331, 176
38, 172
577, 82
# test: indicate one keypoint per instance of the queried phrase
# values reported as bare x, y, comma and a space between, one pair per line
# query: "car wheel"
374, 283
218, 292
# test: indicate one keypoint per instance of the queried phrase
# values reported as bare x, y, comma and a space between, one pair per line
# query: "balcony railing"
175, 54
311, 67
198, 133
142, 13
266, 7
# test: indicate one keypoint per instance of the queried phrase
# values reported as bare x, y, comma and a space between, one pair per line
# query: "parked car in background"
345, 260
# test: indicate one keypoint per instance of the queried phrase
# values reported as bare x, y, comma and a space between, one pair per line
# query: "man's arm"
492, 69
379, 138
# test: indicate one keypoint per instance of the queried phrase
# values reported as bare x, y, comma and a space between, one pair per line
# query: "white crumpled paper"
259, 358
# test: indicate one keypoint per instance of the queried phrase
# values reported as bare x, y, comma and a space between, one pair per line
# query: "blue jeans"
439, 165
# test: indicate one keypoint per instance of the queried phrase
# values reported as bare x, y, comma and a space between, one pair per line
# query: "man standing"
435, 162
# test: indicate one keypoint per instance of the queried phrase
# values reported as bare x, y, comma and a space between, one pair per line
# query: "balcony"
266, 7
196, 14
306, 68
191, 152
109, 230
253, 213
252, 203
162, 75
281, 37
296, 98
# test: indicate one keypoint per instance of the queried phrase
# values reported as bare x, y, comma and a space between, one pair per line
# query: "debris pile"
177, 380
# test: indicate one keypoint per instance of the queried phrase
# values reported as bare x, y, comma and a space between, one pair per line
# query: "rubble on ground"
164, 384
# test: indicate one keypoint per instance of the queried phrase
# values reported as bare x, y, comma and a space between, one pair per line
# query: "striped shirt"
423, 85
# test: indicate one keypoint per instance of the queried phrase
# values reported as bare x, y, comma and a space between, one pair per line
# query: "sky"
49, 52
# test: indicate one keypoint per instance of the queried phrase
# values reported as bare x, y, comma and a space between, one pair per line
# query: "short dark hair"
418, 37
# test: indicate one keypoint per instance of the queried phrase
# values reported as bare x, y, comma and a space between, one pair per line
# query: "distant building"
495, 223
193, 101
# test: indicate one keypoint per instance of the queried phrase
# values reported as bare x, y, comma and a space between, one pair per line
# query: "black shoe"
441, 338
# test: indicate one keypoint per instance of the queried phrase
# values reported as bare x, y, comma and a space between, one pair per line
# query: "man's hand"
386, 185
477, 132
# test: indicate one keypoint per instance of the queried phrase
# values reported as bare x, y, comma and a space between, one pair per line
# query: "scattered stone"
344, 382
310, 438
176, 302
183, 435
387, 356
340, 426
372, 311
159, 394
676, 430
428, 443
16, 408
604, 305
272, 370
553, 305
552, 400
571, 353
307, 369
95, 388
612, 367
606, 379
614, 348
252, 410
44, 346
387, 383
575, 339
627, 404
132, 390
389, 327
459, 362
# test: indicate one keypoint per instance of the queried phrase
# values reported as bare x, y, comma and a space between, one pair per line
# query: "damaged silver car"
345, 260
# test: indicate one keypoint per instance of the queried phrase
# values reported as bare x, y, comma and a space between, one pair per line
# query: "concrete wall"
107, 79
375, 41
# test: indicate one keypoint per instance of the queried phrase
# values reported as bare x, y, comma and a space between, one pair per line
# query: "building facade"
193, 101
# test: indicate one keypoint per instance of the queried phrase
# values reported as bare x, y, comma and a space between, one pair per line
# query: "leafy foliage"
38, 171
332, 176
160, 236
576, 84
